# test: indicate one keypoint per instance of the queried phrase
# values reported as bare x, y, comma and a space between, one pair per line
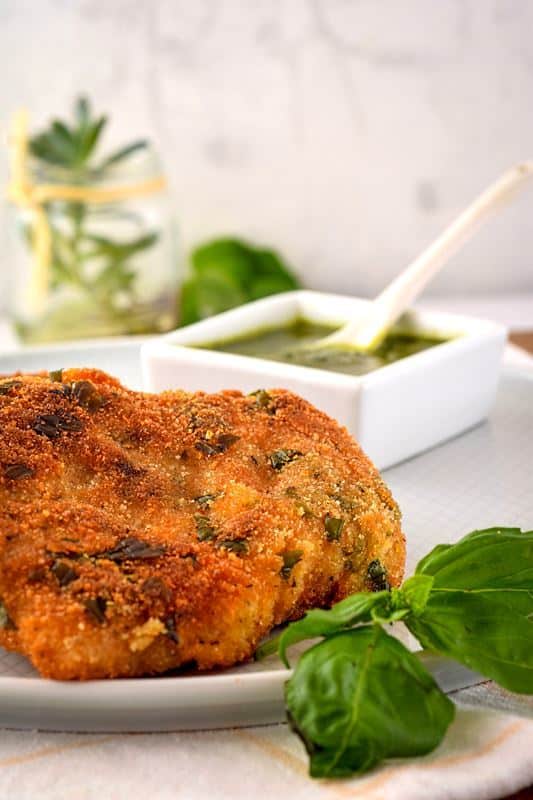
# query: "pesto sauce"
284, 344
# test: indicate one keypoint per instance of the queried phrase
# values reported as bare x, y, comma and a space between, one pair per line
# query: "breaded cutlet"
142, 532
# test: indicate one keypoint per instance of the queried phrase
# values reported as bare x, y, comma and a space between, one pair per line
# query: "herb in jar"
99, 222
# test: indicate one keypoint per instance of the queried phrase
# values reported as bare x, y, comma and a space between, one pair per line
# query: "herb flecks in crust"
151, 531
377, 576
216, 446
17, 471
96, 608
204, 530
53, 425
333, 527
85, 394
131, 549
64, 573
263, 401
280, 458
237, 546
6, 387
290, 559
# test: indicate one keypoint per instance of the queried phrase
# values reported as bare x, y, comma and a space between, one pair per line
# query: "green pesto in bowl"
285, 343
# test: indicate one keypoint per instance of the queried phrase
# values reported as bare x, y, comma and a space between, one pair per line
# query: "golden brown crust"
111, 565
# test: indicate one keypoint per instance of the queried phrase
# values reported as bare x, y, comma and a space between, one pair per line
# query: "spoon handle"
366, 332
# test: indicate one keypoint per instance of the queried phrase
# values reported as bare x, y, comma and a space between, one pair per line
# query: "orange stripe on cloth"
383, 777
53, 751
275, 752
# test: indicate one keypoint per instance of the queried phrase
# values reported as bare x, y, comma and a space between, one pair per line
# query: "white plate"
480, 479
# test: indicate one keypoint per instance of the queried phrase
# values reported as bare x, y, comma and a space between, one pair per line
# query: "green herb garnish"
204, 530
102, 267
238, 546
290, 559
53, 425
96, 608
85, 394
73, 145
214, 447
228, 272
344, 502
63, 572
377, 576
170, 629
359, 696
131, 549
6, 622
333, 527
480, 607
17, 471
206, 499
263, 400
280, 458
6, 386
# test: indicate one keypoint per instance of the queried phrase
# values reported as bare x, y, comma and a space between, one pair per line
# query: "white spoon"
366, 331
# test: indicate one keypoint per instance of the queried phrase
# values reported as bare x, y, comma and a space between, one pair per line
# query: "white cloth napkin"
485, 755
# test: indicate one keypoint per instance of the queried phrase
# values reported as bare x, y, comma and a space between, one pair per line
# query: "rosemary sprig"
100, 267
73, 145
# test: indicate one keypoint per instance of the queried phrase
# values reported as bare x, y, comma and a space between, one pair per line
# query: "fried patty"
142, 532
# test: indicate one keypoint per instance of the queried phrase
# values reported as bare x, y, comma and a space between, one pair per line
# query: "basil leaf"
360, 697
189, 306
354, 610
228, 258
270, 264
501, 557
226, 273
265, 286
271, 275
480, 607
202, 298
414, 593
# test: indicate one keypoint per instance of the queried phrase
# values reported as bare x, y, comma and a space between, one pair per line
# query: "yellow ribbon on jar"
33, 196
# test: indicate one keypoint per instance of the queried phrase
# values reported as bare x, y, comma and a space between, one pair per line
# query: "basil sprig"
226, 273
359, 696
480, 607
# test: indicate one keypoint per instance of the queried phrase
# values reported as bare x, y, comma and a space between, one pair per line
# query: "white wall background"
345, 132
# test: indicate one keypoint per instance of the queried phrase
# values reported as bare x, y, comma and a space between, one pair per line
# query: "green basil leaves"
229, 272
354, 610
360, 696
363, 607
480, 607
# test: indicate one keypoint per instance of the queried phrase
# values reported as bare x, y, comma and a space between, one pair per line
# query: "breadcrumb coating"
141, 532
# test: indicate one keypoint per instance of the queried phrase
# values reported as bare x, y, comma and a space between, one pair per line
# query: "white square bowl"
394, 412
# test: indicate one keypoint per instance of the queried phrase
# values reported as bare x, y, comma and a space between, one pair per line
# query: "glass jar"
97, 256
